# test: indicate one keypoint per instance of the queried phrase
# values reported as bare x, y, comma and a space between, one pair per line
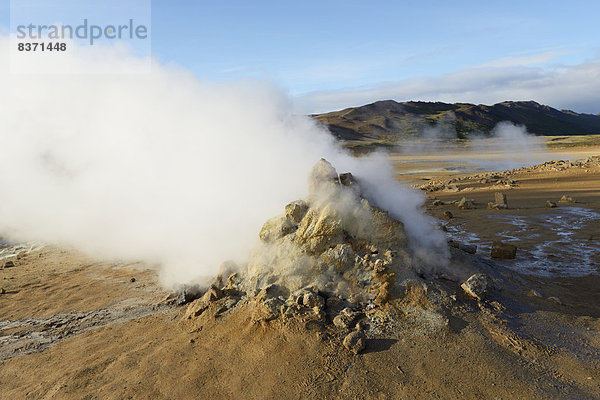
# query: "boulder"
503, 251
476, 286
355, 342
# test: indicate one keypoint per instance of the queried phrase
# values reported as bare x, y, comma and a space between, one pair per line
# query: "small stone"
361, 325
132, 280
9, 264
347, 179
437, 203
379, 266
476, 286
503, 251
550, 204
346, 319
312, 300
448, 215
466, 204
555, 300
566, 199
534, 293
355, 342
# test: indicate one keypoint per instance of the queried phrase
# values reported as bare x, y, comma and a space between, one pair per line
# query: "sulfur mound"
338, 263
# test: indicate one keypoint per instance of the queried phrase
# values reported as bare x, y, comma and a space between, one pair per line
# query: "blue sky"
333, 54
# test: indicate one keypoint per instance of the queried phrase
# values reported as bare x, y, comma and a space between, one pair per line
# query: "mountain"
389, 119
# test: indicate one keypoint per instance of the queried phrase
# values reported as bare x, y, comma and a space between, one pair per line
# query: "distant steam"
163, 168
507, 146
510, 146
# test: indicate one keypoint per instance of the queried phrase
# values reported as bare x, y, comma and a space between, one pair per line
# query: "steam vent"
337, 264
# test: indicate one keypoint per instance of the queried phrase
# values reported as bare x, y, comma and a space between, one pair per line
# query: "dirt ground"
71, 327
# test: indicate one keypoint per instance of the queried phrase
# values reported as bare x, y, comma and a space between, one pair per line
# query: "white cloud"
574, 87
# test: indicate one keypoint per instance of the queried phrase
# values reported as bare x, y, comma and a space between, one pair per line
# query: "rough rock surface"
476, 286
355, 342
503, 251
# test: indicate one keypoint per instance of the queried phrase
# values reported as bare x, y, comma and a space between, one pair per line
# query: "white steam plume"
510, 146
163, 168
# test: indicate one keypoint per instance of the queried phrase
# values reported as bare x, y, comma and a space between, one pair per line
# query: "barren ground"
71, 327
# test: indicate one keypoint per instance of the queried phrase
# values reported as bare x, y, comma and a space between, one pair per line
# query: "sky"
330, 55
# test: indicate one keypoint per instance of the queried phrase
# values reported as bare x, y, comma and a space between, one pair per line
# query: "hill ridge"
386, 119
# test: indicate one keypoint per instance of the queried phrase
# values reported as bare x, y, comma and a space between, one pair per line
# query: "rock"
476, 286
566, 199
312, 300
468, 248
226, 269
437, 203
355, 342
503, 251
347, 318
453, 243
360, 326
494, 206
319, 230
466, 204
276, 228
272, 291
500, 199
2, 291
341, 257
550, 204
384, 294
555, 300
232, 281
347, 179
213, 293
9, 264
534, 293
448, 215
295, 211
267, 309
321, 176
187, 294
132, 280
